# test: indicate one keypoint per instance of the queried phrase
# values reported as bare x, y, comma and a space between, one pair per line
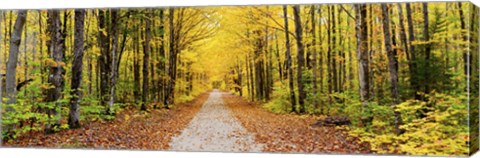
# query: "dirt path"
214, 128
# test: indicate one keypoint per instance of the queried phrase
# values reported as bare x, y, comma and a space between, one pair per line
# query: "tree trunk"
146, 53
300, 59
362, 53
114, 58
172, 61
426, 36
161, 62
104, 60
25, 58
392, 62
413, 72
329, 55
314, 57
279, 61
55, 78
288, 57
403, 37
77, 67
15, 40
465, 39
334, 50
320, 33
136, 66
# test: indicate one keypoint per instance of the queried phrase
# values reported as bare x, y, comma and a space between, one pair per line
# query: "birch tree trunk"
362, 53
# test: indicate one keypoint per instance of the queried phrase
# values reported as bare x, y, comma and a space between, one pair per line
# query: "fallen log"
332, 121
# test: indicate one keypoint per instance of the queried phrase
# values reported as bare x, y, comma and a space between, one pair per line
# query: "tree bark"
104, 60
114, 58
289, 59
413, 73
136, 66
334, 50
426, 35
464, 38
77, 67
146, 53
11, 85
329, 55
300, 59
55, 78
161, 62
392, 62
362, 53
172, 61
314, 56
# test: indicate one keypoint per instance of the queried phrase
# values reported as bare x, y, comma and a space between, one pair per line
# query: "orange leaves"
130, 130
53, 63
291, 133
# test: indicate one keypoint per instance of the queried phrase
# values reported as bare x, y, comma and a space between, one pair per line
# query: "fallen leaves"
130, 130
291, 133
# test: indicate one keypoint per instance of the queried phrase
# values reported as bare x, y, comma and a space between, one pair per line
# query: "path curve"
215, 129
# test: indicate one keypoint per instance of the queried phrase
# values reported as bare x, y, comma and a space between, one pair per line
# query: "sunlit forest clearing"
341, 78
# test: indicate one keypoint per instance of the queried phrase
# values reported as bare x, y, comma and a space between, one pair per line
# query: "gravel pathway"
215, 129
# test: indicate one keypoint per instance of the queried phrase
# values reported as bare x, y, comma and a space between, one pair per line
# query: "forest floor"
131, 129
292, 133
216, 121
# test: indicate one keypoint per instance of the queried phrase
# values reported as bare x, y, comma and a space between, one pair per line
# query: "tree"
104, 60
413, 59
426, 37
11, 86
362, 53
464, 38
172, 61
77, 69
289, 59
114, 58
392, 62
300, 59
314, 57
56, 70
146, 52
